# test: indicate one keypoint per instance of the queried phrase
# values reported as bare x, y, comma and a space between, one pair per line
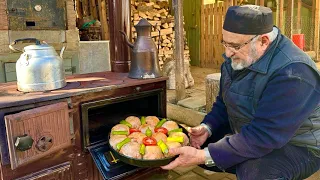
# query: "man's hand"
188, 156
198, 135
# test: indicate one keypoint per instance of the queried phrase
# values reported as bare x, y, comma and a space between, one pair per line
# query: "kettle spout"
62, 51
127, 39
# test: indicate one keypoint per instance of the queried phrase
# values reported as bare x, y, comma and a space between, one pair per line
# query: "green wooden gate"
191, 12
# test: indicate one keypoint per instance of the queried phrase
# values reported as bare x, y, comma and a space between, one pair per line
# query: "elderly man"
265, 123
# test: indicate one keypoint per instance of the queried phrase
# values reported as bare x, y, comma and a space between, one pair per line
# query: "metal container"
39, 67
145, 62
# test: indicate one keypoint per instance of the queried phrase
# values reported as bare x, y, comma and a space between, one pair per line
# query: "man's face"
246, 55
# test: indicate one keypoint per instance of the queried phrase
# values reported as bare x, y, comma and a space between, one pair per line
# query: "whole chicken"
115, 139
134, 121
152, 120
131, 149
137, 137
153, 152
170, 125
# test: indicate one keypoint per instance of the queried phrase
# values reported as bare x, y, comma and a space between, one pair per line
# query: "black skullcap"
248, 19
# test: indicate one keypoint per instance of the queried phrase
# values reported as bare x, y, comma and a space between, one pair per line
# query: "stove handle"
23, 143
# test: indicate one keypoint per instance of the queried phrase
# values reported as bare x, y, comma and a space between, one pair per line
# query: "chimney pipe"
119, 19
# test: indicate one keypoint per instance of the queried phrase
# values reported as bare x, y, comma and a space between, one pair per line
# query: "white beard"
241, 64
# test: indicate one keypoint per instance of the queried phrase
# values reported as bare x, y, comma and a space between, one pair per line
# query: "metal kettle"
144, 62
39, 67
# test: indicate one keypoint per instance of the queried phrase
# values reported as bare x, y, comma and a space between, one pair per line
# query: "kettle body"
39, 68
145, 61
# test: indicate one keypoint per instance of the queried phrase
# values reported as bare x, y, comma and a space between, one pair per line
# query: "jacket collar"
262, 64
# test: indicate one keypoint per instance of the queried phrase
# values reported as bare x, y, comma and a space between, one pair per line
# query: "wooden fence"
212, 17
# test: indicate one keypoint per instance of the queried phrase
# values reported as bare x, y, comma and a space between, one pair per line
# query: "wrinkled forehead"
228, 36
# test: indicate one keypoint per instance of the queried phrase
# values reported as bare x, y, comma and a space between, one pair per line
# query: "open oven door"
109, 166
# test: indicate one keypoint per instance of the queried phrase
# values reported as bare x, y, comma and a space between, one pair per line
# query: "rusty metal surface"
76, 85
36, 14
119, 19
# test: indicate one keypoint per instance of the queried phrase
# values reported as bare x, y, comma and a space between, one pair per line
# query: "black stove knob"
23, 143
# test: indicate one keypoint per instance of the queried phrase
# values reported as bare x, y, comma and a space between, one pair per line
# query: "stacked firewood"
157, 12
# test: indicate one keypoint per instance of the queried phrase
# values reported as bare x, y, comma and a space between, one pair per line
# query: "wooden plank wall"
212, 17
96, 9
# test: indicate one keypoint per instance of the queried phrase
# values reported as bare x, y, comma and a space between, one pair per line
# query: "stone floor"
196, 96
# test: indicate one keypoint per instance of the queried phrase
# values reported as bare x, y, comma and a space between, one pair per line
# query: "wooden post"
179, 48
202, 45
85, 7
281, 16
261, 2
79, 9
289, 18
93, 8
316, 29
103, 19
212, 89
299, 16
277, 13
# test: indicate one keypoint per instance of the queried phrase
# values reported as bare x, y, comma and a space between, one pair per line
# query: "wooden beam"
179, 47
281, 20
79, 9
103, 20
289, 18
316, 28
93, 9
299, 16
85, 7
261, 2
277, 13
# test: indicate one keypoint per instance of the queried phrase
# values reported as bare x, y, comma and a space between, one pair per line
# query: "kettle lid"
37, 47
143, 23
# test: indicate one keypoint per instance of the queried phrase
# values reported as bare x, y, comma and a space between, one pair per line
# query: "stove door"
108, 165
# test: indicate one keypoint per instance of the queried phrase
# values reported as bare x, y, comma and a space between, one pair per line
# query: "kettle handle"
23, 40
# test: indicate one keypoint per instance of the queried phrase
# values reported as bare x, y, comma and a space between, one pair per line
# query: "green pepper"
120, 133
160, 123
163, 147
148, 132
175, 139
126, 123
175, 130
125, 141
142, 149
143, 120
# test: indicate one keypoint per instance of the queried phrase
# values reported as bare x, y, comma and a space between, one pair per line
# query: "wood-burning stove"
90, 105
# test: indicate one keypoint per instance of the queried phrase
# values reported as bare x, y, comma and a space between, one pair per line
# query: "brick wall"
3, 15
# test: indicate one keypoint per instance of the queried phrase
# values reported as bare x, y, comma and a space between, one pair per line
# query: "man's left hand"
188, 156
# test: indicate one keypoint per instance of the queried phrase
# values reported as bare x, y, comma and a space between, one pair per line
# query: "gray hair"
272, 35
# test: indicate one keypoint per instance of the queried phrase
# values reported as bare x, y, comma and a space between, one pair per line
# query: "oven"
98, 117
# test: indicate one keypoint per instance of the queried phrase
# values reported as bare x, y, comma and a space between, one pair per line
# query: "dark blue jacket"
273, 102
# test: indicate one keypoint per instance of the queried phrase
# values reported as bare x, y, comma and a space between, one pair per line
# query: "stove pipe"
119, 20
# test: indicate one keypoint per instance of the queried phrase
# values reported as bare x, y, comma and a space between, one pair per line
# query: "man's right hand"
198, 135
